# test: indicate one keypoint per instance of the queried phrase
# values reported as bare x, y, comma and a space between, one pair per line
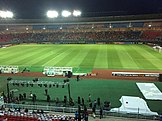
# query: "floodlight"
2, 14
66, 13
149, 25
77, 13
6, 14
44, 28
52, 14
9, 14
7, 29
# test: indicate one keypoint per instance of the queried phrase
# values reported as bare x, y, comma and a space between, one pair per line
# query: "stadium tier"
83, 32
82, 37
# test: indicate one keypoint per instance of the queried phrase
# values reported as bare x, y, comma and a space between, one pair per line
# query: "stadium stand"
152, 24
79, 37
38, 115
150, 35
82, 33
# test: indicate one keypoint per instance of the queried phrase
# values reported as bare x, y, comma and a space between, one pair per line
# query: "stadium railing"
72, 110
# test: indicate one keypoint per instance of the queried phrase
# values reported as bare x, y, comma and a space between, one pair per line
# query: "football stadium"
94, 66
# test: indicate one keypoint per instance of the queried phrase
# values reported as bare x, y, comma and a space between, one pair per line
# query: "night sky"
36, 9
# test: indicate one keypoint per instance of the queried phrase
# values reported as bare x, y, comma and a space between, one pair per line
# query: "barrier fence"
72, 110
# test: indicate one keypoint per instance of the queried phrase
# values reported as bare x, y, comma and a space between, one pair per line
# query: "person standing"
95, 103
79, 101
98, 102
24, 96
82, 101
78, 78
89, 98
48, 99
34, 98
76, 115
65, 100
31, 94
46, 92
94, 112
86, 116
101, 112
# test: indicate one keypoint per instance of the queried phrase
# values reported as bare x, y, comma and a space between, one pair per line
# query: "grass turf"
83, 58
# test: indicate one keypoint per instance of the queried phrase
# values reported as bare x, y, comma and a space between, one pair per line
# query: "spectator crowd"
82, 37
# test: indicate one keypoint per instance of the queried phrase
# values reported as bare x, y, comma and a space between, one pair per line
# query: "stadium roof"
84, 20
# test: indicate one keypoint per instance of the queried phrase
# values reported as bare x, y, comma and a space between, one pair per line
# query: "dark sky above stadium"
36, 9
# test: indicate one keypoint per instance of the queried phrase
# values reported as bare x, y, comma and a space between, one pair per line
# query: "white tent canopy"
133, 105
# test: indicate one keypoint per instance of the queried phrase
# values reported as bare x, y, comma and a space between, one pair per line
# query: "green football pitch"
82, 57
